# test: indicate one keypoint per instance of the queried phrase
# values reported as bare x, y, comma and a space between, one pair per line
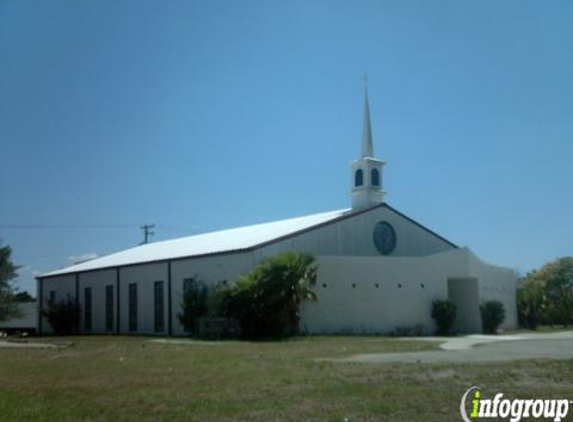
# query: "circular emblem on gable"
384, 238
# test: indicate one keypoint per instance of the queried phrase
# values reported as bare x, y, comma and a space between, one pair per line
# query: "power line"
67, 226
92, 226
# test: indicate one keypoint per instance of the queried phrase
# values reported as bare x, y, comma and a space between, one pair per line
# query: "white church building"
378, 270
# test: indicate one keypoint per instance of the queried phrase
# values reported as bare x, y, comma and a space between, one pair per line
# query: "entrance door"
464, 293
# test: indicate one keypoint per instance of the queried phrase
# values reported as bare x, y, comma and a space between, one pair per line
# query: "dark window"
109, 308
52, 298
358, 178
133, 307
158, 305
375, 177
88, 309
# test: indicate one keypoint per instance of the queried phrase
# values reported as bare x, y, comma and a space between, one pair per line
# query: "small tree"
194, 304
24, 297
444, 314
63, 316
492, 315
531, 304
8, 306
559, 290
546, 296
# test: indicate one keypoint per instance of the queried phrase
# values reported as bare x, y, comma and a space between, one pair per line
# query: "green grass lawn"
135, 379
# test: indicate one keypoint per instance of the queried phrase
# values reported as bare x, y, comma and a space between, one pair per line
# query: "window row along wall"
136, 299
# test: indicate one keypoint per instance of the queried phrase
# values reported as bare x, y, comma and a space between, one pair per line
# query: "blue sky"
206, 115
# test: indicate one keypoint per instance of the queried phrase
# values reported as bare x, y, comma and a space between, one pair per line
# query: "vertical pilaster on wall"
118, 300
169, 303
77, 300
40, 303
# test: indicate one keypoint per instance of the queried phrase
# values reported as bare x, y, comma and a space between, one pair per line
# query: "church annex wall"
382, 294
496, 283
379, 294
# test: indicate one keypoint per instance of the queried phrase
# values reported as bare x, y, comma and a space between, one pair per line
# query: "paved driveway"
480, 348
25, 345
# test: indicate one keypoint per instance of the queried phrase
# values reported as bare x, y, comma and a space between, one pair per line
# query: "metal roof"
236, 239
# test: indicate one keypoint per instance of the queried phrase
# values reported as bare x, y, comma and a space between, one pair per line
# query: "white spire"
367, 148
366, 172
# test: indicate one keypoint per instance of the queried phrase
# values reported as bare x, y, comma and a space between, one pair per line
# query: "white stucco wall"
496, 283
399, 300
370, 309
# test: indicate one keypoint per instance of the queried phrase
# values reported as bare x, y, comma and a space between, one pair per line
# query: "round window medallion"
384, 238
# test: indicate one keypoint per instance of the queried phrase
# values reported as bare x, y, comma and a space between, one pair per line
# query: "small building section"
26, 322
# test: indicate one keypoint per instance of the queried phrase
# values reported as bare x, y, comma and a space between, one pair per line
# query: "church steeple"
366, 171
367, 148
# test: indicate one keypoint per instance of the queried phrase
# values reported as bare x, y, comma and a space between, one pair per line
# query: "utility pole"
147, 233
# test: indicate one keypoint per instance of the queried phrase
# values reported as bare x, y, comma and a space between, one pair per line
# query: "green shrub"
266, 301
63, 316
492, 315
444, 314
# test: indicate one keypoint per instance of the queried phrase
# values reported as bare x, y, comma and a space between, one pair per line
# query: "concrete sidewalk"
481, 348
5, 344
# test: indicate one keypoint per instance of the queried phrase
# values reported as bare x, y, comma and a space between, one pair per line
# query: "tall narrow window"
52, 298
188, 284
133, 307
375, 177
359, 178
109, 308
88, 309
158, 306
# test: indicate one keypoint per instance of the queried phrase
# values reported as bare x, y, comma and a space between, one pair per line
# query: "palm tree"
266, 301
